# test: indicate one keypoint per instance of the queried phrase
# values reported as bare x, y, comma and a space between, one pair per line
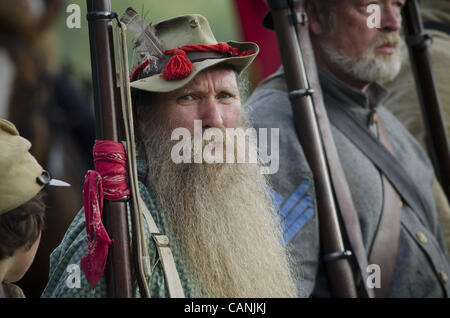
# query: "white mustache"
391, 39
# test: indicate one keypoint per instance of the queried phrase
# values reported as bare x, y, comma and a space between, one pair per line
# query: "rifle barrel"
339, 272
118, 267
437, 139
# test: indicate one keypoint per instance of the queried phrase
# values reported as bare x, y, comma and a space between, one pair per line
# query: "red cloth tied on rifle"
108, 181
179, 66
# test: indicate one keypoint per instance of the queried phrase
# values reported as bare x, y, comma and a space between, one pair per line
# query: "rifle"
314, 133
118, 267
116, 123
437, 139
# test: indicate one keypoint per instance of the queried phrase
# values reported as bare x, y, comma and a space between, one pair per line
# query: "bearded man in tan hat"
218, 217
21, 207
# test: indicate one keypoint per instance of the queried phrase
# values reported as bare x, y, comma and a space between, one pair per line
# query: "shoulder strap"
165, 254
385, 245
379, 155
437, 26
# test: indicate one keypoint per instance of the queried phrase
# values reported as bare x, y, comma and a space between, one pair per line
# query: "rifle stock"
285, 20
436, 134
118, 267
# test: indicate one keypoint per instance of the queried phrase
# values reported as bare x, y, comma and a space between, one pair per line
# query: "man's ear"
314, 17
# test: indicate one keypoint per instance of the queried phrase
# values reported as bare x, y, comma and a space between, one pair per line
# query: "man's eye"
224, 95
186, 98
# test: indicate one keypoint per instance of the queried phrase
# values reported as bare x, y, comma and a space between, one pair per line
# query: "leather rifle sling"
385, 246
171, 276
344, 200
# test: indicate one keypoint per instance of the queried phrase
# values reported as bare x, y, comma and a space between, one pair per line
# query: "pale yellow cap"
19, 170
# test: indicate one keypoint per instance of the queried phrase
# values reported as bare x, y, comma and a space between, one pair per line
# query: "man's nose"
211, 114
391, 18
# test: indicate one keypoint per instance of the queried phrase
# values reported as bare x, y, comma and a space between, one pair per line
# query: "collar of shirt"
361, 104
371, 98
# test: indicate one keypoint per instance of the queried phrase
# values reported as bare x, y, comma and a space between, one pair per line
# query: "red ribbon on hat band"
107, 181
179, 66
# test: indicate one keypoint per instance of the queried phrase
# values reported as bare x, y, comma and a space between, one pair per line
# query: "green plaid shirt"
74, 246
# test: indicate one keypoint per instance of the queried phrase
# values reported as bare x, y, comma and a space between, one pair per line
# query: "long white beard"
222, 219
369, 67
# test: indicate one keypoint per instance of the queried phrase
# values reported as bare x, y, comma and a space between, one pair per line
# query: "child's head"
21, 203
20, 232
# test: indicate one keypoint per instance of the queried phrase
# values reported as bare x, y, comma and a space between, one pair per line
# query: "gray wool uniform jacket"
422, 265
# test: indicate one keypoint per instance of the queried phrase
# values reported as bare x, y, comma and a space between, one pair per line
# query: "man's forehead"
218, 78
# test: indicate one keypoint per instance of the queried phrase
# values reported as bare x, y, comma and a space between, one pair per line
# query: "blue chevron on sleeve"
295, 211
294, 198
276, 199
302, 214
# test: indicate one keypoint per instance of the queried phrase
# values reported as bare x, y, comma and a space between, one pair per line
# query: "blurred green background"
73, 44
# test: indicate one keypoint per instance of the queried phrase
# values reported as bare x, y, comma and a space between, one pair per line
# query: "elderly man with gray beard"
352, 60
219, 219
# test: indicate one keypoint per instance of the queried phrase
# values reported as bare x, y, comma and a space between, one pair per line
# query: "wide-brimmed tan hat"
193, 29
21, 176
